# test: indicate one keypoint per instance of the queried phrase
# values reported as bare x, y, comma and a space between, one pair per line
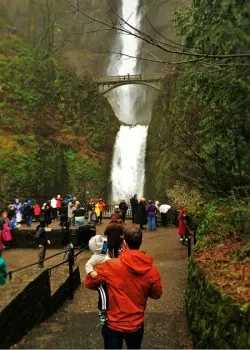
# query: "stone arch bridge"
108, 83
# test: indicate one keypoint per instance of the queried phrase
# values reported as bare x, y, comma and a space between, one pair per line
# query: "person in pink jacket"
5, 230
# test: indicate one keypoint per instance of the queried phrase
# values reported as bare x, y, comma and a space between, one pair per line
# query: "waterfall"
128, 170
128, 167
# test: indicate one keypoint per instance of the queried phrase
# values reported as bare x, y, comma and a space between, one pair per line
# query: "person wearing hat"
141, 214
114, 233
123, 208
101, 206
116, 213
183, 228
98, 247
130, 281
58, 202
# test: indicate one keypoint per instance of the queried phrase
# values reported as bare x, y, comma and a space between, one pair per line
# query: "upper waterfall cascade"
128, 167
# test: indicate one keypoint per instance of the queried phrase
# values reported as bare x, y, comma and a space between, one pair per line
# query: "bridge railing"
127, 77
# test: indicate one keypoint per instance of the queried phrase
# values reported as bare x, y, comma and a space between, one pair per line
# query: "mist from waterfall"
128, 166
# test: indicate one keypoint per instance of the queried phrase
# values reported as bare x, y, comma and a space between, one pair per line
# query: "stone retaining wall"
215, 319
32, 306
26, 238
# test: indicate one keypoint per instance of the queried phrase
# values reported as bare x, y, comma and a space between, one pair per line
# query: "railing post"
71, 264
189, 246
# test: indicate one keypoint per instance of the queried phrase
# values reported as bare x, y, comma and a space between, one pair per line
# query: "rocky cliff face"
157, 21
79, 40
82, 42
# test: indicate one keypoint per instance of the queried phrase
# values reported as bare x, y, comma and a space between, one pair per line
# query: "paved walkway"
76, 325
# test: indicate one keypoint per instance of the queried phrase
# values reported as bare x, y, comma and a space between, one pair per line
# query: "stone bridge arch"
109, 83
112, 87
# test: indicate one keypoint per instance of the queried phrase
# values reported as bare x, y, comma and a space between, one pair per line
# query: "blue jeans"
79, 222
29, 220
151, 222
114, 339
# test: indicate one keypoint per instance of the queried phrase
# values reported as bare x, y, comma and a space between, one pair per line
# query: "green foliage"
84, 171
199, 141
201, 121
49, 113
87, 170
221, 217
215, 319
241, 254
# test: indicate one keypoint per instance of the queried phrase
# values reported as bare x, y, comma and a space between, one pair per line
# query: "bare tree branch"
150, 40
157, 60
151, 54
175, 45
111, 19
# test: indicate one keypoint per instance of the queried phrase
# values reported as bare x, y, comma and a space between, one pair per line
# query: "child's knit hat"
96, 244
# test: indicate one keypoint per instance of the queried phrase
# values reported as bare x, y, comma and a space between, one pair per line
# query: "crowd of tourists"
123, 284
55, 209
69, 212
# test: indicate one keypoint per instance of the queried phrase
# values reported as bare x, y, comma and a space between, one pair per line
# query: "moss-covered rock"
216, 319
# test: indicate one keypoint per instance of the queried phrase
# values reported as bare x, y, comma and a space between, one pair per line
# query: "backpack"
13, 223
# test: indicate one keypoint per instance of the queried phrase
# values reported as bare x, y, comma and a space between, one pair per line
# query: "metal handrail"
10, 273
70, 261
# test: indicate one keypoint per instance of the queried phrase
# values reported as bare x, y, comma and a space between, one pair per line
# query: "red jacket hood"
136, 261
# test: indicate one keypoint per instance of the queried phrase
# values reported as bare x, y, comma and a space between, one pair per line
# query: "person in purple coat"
151, 214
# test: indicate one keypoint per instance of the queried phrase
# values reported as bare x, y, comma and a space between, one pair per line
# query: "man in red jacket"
130, 280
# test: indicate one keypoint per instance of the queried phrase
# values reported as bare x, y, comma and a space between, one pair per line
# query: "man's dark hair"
133, 237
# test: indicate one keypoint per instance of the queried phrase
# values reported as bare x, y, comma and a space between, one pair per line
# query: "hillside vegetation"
57, 131
199, 137
198, 155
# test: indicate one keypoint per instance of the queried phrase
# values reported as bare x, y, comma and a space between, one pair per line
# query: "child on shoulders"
98, 246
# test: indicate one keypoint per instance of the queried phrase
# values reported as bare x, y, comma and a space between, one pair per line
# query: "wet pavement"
76, 325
